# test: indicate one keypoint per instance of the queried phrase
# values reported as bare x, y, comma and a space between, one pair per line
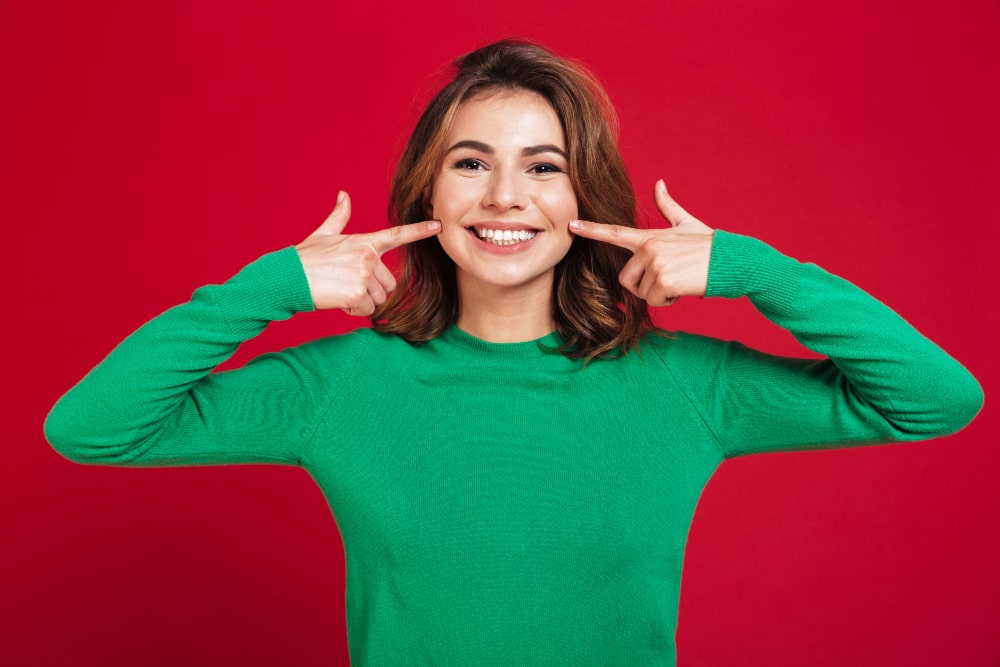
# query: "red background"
150, 148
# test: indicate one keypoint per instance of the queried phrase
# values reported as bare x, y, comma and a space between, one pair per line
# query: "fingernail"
340, 197
662, 186
433, 225
575, 225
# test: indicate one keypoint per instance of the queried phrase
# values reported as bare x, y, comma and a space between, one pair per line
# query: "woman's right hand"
345, 270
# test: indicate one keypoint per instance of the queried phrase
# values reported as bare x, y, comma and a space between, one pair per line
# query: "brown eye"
470, 164
545, 168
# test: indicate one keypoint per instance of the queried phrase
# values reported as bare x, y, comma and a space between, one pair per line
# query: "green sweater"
500, 502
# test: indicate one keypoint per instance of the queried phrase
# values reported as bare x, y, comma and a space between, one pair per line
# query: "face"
503, 193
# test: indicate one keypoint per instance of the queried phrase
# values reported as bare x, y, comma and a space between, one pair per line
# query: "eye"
545, 168
469, 164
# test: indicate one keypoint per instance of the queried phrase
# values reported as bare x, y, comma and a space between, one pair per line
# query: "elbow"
59, 438
952, 408
81, 438
64, 438
964, 403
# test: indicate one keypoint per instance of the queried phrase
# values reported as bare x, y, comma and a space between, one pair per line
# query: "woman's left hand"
666, 263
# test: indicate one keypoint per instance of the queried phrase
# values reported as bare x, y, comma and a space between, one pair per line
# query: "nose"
504, 191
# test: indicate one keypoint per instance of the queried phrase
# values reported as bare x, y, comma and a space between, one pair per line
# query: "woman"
512, 455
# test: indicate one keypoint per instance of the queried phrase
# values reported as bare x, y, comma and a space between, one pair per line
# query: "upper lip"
497, 224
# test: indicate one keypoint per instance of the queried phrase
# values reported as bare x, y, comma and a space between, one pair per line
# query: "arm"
154, 399
882, 379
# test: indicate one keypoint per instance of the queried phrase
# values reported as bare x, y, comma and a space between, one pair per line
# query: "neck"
505, 314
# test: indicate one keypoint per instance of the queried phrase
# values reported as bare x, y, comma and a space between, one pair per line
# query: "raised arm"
882, 380
155, 401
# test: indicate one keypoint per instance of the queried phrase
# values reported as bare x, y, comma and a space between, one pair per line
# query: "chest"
431, 465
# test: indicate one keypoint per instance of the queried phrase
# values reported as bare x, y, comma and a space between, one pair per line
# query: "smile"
504, 236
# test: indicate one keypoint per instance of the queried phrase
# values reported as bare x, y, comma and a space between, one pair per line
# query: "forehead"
518, 117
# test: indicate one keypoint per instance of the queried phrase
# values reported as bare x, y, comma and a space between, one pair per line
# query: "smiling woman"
550, 540
538, 134
504, 199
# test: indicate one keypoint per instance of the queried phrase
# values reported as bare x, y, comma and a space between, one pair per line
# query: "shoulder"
335, 358
667, 355
695, 358
361, 342
682, 345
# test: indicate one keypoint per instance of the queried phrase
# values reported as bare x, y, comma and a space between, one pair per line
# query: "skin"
666, 263
345, 270
505, 167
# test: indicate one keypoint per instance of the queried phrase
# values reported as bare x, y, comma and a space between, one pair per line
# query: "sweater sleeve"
881, 380
154, 400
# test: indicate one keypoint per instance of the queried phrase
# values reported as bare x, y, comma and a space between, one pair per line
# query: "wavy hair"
593, 313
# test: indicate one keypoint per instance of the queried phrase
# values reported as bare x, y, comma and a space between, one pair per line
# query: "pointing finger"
629, 238
385, 240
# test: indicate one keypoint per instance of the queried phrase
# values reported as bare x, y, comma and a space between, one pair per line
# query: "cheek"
560, 206
446, 201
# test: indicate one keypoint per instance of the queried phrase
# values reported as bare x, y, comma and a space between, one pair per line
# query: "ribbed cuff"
744, 266
272, 288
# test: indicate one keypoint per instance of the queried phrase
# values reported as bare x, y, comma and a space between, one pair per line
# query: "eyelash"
545, 168
472, 164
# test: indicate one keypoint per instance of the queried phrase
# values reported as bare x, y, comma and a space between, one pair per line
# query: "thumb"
669, 209
337, 220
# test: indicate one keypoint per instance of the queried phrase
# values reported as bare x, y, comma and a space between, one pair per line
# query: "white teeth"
505, 236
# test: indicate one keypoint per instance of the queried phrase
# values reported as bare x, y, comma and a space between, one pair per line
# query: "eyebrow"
527, 151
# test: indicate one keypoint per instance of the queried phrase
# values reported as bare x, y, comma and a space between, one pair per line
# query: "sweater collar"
532, 349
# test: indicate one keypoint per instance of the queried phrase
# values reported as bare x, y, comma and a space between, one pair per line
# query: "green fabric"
499, 502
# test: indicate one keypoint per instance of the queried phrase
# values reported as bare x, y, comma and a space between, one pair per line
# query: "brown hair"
593, 313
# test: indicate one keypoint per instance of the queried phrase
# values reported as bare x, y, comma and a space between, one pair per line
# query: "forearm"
917, 388
145, 385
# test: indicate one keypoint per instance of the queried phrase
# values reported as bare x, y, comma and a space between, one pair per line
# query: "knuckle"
670, 287
659, 264
661, 245
627, 281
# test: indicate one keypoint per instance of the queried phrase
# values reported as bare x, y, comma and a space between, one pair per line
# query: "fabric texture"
501, 501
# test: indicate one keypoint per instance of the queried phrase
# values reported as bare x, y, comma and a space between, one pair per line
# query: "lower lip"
511, 249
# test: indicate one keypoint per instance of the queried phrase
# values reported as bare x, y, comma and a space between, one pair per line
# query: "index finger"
629, 238
386, 239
